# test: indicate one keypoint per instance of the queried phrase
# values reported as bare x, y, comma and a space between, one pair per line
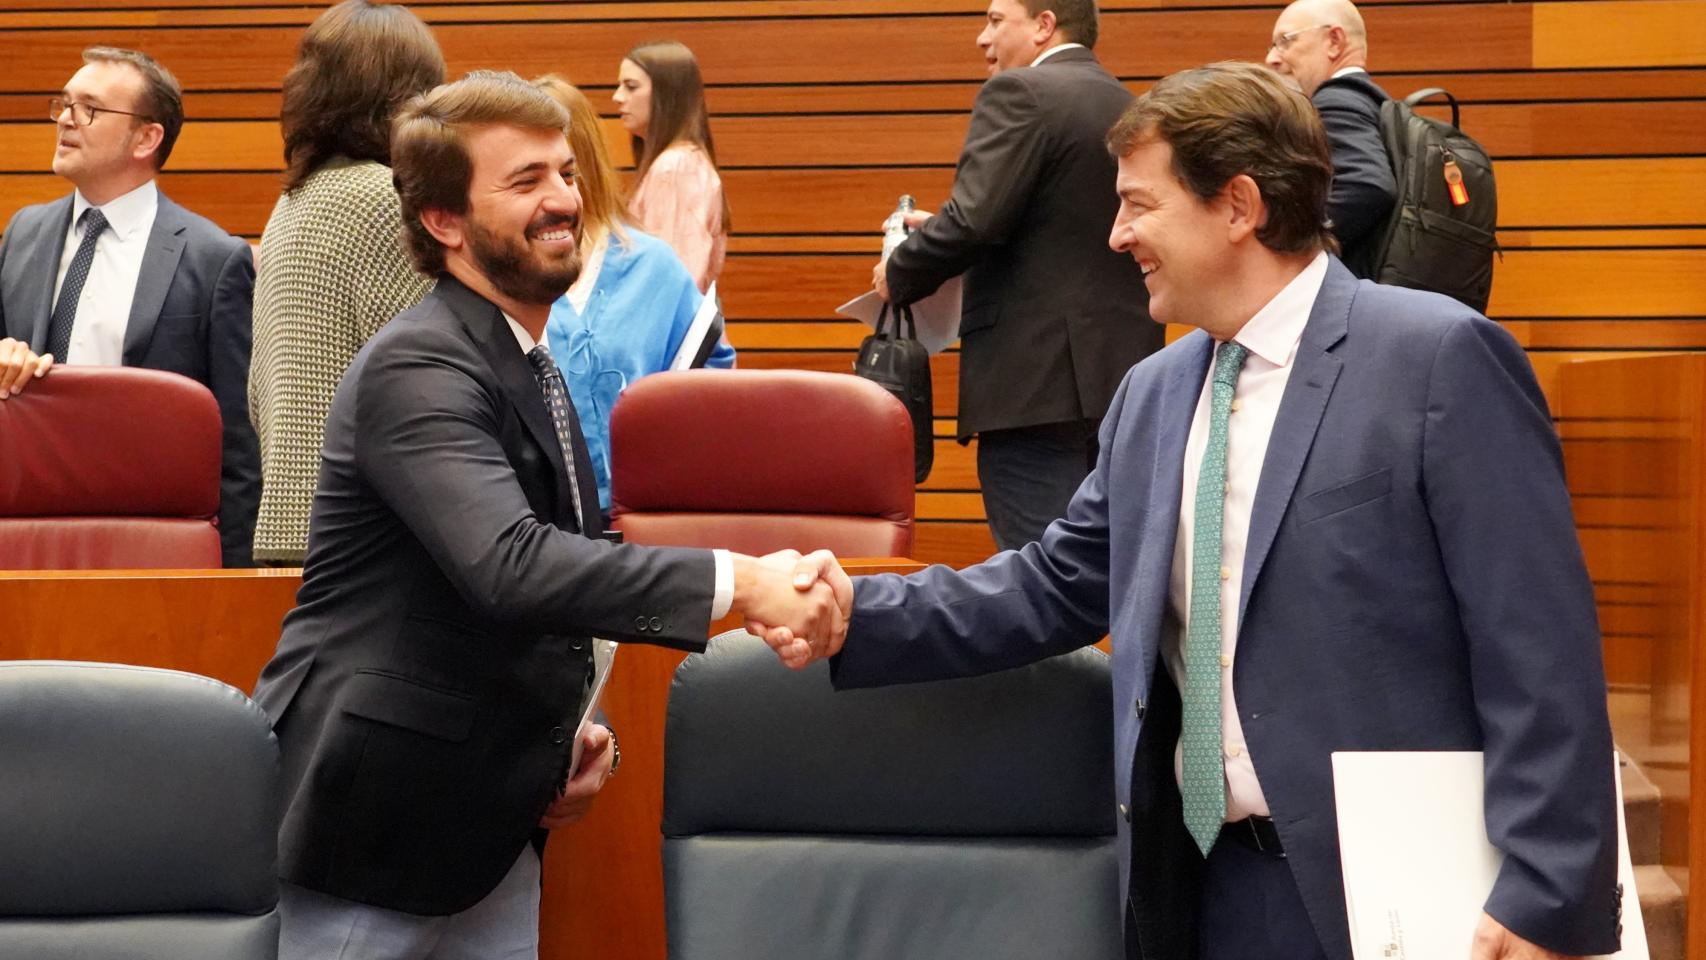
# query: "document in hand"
936, 316
603, 658
1418, 866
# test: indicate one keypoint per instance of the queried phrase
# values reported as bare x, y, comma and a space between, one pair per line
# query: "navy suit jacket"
1412, 581
1364, 188
190, 315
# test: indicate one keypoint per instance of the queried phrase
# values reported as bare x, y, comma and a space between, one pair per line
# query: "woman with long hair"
678, 196
332, 264
633, 311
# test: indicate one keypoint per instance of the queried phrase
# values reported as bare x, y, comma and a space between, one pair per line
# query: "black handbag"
894, 360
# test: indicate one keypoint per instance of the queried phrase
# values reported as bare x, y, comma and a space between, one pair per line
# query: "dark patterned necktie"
557, 401
65, 309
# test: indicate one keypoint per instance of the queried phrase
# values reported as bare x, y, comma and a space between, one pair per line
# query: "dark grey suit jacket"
427, 686
190, 315
1364, 188
1052, 318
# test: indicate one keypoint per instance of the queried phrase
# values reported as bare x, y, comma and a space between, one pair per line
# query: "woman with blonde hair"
634, 310
678, 195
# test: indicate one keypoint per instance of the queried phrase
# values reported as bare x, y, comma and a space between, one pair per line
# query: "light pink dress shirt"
1271, 336
680, 202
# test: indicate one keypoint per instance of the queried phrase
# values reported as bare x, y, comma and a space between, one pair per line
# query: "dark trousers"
1029, 475
1248, 909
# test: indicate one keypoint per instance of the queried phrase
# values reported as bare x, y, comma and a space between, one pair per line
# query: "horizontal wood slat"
1648, 33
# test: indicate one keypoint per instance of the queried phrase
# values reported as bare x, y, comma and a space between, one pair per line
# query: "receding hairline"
1341, 13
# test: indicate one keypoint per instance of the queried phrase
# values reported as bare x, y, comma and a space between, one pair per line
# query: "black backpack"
1440, 235
893, 359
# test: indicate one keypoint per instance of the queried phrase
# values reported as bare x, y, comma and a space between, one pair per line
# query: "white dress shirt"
1051, 51
103, 309
723, 588
1271, 336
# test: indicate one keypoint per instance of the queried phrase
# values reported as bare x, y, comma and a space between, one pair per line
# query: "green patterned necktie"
1203, 785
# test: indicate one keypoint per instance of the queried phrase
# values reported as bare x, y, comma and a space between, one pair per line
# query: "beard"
515, 271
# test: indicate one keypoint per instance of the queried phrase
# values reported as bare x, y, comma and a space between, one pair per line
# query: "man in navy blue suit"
1333, 517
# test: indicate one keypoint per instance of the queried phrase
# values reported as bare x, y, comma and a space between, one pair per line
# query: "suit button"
640, 624
657, 624
1125, 813
1142, 708
577, 644
559, 736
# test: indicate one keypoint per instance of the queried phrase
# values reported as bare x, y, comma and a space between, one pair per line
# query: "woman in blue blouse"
634, 309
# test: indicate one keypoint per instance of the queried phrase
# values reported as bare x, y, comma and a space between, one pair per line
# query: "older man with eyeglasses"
117, 274
1322, 46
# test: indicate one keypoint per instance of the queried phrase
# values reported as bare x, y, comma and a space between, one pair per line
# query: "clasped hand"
799, 604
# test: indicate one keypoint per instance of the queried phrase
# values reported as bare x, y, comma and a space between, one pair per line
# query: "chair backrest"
109, 467
763, 460
964, 820
139, 816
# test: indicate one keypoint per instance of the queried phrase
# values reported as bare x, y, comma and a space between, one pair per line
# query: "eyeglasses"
83, 114
1283, 41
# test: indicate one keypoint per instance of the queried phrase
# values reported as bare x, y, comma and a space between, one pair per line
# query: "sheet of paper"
603, 658
1417, 863
936, 316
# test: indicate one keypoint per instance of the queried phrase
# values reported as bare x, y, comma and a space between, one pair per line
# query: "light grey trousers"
503, 926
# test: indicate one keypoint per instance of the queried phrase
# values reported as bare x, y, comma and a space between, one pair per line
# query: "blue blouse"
640, 309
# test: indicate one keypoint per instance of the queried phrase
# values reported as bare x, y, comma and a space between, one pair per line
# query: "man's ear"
1046, 26
445, 227
1337, 41
1247, 211
147, 140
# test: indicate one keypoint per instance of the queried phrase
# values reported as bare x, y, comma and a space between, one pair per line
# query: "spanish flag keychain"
1454, 182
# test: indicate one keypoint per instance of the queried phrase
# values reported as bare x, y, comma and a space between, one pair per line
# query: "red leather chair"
107, 468
763, 460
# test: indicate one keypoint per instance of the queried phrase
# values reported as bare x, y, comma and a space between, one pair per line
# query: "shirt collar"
127, 215
1051, 51
1346, 71
1275, 331
522, 337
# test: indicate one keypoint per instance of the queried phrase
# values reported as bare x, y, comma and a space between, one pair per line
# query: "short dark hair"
356, 65
162, 97
1233, 118
1075, 18
430, 164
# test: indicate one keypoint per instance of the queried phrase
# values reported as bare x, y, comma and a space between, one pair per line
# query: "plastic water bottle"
894, 228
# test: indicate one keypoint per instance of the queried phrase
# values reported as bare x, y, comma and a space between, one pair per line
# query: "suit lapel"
41, 272
159, 265
485, 322
1300, 412
1177, 407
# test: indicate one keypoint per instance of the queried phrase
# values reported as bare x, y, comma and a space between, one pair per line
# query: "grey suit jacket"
1412, 581
1052, 318
190, 315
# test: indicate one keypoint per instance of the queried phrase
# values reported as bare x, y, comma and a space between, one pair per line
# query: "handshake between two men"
798, 604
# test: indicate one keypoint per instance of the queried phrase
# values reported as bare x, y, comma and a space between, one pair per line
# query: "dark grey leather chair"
965, 820
138, 816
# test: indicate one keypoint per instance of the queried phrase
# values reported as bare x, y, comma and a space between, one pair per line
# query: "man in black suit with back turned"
116, 273
1323, 47
1052, 318
427, 687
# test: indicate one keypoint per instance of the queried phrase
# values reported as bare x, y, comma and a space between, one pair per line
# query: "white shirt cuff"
723, 593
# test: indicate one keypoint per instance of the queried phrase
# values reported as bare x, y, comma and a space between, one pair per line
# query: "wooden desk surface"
603, 894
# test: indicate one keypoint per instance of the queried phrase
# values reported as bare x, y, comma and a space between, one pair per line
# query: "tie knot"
94, 221
543, 365
1228, 361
